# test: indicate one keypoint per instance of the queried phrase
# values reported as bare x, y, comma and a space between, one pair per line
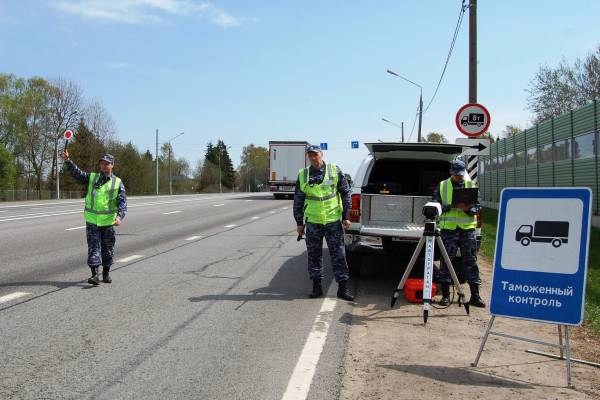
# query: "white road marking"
40, 216
77, 227
12, 296
130, 258
172, 212
255, 217
285, 208
304, 372
247, 200
272, 212
229, 226
193, 238
218, 205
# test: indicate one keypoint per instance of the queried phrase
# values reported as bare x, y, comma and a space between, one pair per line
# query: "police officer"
322, 198
458, 231
105, 206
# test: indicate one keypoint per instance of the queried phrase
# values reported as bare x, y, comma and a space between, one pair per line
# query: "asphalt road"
208, 301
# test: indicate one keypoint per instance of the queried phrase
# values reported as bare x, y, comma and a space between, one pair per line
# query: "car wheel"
525, 241
556, 243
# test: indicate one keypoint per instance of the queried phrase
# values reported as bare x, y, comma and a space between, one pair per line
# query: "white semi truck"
285, 160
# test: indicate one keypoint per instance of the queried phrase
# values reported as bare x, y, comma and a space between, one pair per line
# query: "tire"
354, 261
556, 243
276, 196
525, 241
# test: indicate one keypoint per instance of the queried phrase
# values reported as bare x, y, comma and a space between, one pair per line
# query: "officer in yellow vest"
322, 198
458, 231
105, 207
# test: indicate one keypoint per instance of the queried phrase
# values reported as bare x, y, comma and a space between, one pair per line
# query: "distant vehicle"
555, 232
472, 119
285, 160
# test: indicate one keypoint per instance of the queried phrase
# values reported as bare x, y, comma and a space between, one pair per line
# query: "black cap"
457, 167
313, 149
108, 158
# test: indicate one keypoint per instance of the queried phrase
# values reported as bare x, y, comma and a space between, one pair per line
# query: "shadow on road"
457, 376
291, 282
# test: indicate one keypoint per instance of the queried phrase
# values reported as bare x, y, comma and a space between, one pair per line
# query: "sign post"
540, 263
473, 120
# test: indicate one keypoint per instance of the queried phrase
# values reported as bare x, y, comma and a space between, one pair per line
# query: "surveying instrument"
431, 236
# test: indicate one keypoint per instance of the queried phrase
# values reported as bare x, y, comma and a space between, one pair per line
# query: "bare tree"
555, 91
100, 122
65, 104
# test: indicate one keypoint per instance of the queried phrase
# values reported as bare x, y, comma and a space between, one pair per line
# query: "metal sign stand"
431, 236
565, 348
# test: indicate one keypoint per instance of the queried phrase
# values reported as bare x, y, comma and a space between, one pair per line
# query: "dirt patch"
392, 355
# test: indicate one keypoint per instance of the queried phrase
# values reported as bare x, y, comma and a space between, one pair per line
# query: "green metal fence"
562, 151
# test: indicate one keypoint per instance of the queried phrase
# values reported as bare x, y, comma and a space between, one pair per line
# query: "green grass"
592, 296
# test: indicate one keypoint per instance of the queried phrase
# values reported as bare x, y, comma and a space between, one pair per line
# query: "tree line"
35, 112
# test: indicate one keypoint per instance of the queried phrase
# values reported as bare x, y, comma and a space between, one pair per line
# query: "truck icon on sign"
476, 119
554, 232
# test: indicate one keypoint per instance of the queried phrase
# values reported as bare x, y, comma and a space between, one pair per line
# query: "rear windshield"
409, 178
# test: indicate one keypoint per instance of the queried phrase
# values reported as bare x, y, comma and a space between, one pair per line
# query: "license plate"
286, 188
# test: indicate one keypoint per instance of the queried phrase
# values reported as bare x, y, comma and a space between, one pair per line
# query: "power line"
414, 123
461, 14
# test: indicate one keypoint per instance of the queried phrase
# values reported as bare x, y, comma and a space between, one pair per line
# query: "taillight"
273, 188
479, 219
355, 208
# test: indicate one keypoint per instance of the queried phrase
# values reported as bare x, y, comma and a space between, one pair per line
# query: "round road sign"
68, 135
472, 119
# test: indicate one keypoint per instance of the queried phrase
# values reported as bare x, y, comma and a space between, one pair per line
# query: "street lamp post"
396, 125
420, 100
170, 178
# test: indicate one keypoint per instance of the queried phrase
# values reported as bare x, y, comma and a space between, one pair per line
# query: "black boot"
93, 280
445, 301
476, 300
343, 292
317, 290
106, 275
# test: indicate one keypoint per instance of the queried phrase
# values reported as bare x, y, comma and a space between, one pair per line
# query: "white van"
392, 185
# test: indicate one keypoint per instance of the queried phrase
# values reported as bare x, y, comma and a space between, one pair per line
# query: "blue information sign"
355, 144
323, 146
541, 255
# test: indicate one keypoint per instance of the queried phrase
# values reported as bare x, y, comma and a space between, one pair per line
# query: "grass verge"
592, 296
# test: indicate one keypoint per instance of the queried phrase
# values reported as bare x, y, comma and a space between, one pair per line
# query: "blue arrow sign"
355, 144
323, 146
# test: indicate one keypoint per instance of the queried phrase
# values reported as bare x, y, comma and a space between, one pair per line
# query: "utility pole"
402, 131
157, 162
420, 115
170, 180
473, 51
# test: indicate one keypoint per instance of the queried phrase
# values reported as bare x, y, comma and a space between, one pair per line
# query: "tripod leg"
428, 275
409, 268
459, 289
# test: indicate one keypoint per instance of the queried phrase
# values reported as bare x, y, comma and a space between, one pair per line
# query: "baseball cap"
457, 167
313, 149
108, 158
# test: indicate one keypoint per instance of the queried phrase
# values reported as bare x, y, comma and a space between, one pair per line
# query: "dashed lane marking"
193, 238
130, 258
12, 296
73, 229
172, 212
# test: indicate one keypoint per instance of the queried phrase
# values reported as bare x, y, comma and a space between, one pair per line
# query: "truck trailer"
286, 158
554, 232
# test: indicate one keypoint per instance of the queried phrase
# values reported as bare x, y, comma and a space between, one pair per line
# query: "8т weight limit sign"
472, 120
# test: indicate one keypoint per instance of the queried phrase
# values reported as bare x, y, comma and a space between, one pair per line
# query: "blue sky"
254, 71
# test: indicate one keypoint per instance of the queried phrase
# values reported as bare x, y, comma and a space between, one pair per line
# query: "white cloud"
143, 11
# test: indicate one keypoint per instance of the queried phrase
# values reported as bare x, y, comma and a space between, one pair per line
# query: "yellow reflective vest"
101, 203
323, 203
455, 218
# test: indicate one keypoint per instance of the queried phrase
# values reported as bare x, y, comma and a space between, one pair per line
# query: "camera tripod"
431, 236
